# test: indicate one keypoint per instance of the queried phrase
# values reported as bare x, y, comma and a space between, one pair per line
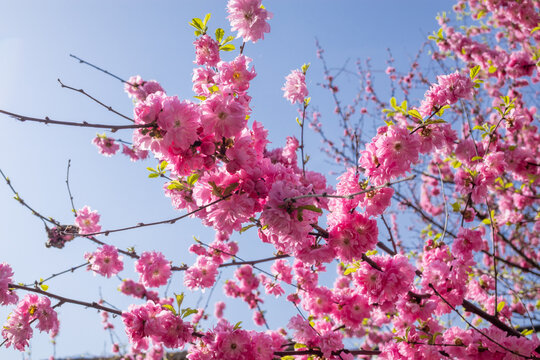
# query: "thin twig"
445, 204
168, 221
47, 121
94, 305
69, 190
102, 70
94, 99
350, 196
389, 233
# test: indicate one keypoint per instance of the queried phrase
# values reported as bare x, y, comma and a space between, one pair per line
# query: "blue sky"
151, 39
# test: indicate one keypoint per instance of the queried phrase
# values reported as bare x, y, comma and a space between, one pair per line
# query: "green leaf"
213, 88
311, 208
535, 29
237, 325
476, 158
393, 102
527, 332
176, 185
151, 169
179, 299
206, 18
298, 121
350, 270
228, 47
415, 114
245, 228
163, 165
299, 346
192, 179
492, 69
478, 127
219, 34
500, 306
307, 101
474, 71
202, 98
197, 24
456, 207
486, 221
188, 311
169, 307
153, 175
44, 287
228, 39
305, 67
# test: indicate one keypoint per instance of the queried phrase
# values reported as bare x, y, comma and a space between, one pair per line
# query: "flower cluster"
105, 261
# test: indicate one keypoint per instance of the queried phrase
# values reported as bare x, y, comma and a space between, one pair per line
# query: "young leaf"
474, 71
228, 47
415, 114
219, 34
179, 299
206, 18
237, 325
500, 306
169, 307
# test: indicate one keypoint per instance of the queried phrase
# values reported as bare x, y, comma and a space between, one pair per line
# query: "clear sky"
153, 39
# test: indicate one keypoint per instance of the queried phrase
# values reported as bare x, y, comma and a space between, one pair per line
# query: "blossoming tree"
462, 160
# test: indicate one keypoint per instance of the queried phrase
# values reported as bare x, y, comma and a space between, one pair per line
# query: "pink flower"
236, 73
353, 235
295, 87
389, 284
224, 115
106, 146
6, 296
449, 89
153, 268
130, 287
134, 153
179, 121
220, 306
206, 51
138, 89
105, 261
248, 17
87, 221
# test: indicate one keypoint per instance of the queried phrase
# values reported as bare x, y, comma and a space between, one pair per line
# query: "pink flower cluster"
448, 90
106, 146
249, 18
204, 272
226, 342
17, 331
295, 87
138, 89
320, 335
132, 288
388, 285
7, 296
206, 51
153, 268
105, 261
87, 221
151, 321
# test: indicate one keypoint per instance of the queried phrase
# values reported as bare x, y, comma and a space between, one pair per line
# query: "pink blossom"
448, 90
134, 153
105, 261
295, 87
206, 51
224, 115
6, 296
249, 18
153, 268
106, 146
87, 221
236, 74
353, 235
389, 284
220, 306
138, 89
